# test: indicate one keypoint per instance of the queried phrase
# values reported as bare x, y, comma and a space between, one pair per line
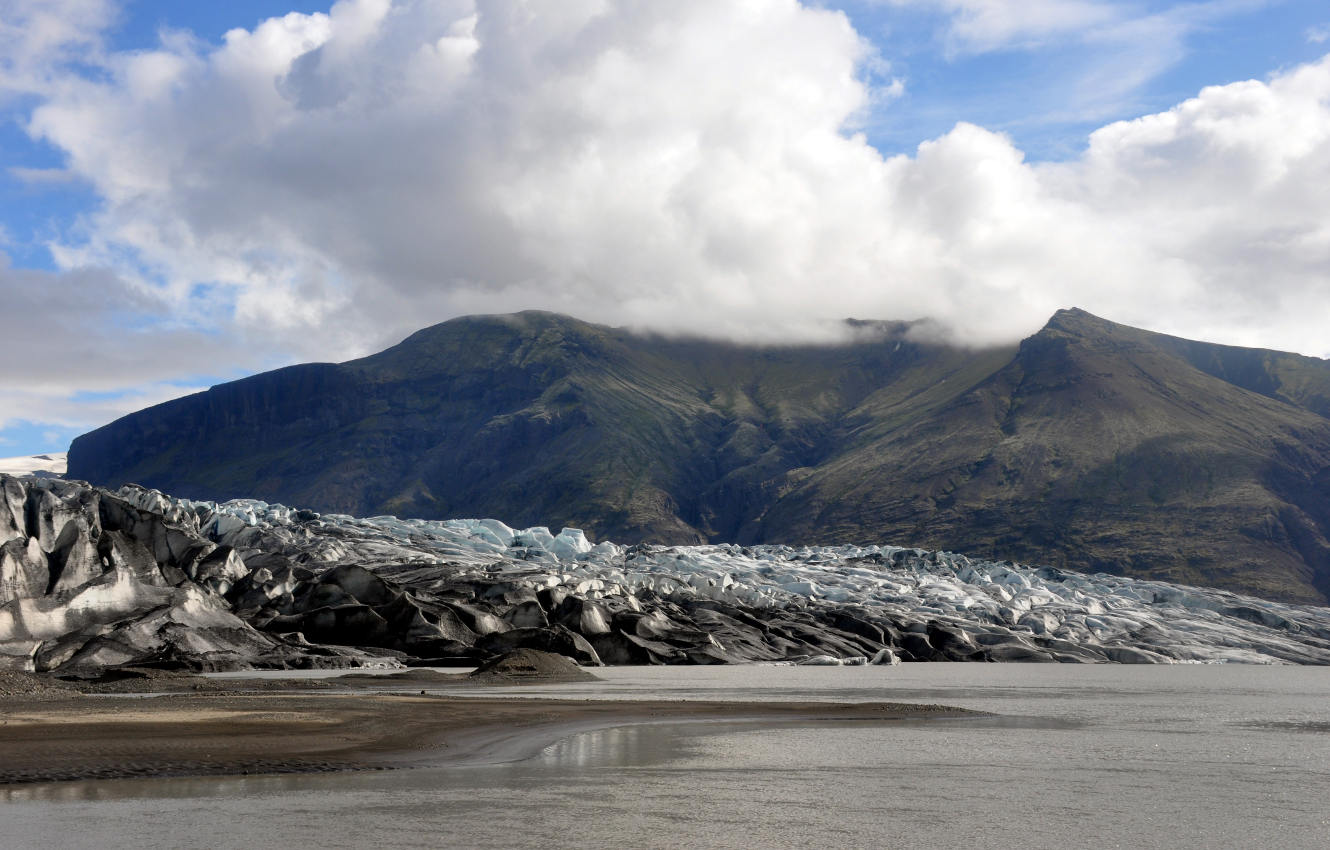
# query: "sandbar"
233, 730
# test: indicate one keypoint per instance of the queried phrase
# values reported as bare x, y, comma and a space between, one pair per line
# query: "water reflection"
636, 745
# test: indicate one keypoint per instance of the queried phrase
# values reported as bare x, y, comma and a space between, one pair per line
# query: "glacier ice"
90, 578
925, 604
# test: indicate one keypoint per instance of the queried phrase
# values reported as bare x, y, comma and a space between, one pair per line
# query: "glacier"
91, 578
954, 606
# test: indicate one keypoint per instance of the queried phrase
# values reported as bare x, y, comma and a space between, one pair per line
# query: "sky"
194, 192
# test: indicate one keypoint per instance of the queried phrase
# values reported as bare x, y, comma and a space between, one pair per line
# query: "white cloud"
43, 176
1101, 54
979, 26
1224, 189
339, 180
983, 25
61, 408
1319, 35
39, 36
84, 347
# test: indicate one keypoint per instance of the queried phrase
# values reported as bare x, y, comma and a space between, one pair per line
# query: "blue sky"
178, 209
1033, 92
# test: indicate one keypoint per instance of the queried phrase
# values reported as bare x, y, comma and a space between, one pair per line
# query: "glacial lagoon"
1214, 756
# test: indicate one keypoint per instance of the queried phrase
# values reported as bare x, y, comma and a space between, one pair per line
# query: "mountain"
1090, 445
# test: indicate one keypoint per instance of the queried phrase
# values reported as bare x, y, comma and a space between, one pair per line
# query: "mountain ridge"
1089, 445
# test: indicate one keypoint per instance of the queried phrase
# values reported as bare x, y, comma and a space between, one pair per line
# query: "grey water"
1094, 756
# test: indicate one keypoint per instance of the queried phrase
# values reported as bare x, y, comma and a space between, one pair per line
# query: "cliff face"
1091, 445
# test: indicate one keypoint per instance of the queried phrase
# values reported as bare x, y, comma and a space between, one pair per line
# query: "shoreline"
245, 733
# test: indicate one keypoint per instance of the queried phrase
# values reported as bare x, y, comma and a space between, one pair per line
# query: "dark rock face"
1092, 446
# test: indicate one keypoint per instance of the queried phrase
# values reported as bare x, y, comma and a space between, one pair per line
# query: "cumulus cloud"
638, 162
1221, 193
335, 181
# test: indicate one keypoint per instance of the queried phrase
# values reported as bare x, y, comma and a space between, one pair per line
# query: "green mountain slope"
1091, 445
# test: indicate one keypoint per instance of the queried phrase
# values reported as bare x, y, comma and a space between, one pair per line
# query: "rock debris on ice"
90, 579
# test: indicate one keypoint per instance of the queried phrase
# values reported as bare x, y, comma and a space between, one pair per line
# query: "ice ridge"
927, 604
